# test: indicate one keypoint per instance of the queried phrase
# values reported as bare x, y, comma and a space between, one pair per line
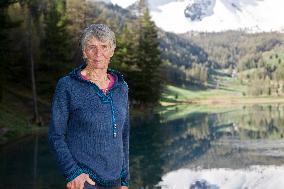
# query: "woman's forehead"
95, 41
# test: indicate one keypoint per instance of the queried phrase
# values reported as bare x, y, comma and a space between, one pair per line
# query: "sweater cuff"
73, 174
124, 178
124, 183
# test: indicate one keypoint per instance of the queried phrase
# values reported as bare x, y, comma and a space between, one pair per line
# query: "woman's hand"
79, 181
124, 187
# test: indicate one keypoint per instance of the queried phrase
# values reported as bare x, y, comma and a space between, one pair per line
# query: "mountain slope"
219, 15
180, 16
174, 48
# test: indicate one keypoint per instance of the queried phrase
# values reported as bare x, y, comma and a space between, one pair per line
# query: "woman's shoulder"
119, 77
64, 79
64, 82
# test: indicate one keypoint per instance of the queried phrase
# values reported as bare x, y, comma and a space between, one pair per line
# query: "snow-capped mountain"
180, 16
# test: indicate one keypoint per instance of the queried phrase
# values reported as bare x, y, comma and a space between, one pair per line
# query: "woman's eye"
91, 48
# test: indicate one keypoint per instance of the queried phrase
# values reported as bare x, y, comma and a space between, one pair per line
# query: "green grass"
227, 87
180, 94
230, 90
228, 83
170, 113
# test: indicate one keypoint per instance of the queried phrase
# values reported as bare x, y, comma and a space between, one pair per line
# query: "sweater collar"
76, 73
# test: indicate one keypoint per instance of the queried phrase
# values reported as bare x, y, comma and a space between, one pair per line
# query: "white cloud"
260, 177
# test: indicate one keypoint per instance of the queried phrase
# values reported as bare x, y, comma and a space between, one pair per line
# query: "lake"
181, 147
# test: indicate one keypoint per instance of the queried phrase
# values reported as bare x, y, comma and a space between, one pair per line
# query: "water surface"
240, 147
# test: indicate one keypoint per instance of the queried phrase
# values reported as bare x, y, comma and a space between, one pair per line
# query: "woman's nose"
99, 52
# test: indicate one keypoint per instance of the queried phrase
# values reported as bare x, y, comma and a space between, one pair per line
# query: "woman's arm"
57, 131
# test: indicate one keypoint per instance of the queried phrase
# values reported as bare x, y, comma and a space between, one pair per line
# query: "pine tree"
33, 24
55, 46
126, 46
125, 57
148, 83
5, 24
56, 41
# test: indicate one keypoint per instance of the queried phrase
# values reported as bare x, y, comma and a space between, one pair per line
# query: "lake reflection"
195, 138
28, 164
180, 147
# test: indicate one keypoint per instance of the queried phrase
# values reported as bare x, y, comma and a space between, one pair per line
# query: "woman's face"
98, 53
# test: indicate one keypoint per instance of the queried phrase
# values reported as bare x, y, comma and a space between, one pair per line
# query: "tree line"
39, 42
253, 58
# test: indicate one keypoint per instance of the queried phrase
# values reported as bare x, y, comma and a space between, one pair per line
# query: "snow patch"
215, 15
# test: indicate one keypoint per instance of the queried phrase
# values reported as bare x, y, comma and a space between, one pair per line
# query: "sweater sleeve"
57, 131
125, 170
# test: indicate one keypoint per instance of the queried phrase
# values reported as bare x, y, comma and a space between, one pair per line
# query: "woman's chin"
96, 62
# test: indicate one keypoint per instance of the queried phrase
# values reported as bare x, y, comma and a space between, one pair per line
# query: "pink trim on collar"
111, 77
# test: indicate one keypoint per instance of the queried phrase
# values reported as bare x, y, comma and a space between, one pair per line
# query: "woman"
89, 127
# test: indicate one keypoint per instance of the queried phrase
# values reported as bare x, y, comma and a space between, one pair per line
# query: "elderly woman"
89, 127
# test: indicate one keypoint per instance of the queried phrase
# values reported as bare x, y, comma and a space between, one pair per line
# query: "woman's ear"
112, 52
84, 54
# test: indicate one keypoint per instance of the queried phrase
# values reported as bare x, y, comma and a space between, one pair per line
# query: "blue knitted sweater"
89, 131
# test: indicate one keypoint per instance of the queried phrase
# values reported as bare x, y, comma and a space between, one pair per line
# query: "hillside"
187, 55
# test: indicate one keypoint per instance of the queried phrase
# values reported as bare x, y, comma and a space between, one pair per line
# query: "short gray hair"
101, 32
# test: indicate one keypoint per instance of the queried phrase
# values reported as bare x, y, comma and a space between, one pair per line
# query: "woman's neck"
98, 73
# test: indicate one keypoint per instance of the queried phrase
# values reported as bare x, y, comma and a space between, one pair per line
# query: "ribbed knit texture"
89, 131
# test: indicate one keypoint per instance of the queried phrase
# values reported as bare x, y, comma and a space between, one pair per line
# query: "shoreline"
215, 101
11, 140
226, 101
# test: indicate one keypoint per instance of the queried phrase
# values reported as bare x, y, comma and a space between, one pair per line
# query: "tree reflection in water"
205, 140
